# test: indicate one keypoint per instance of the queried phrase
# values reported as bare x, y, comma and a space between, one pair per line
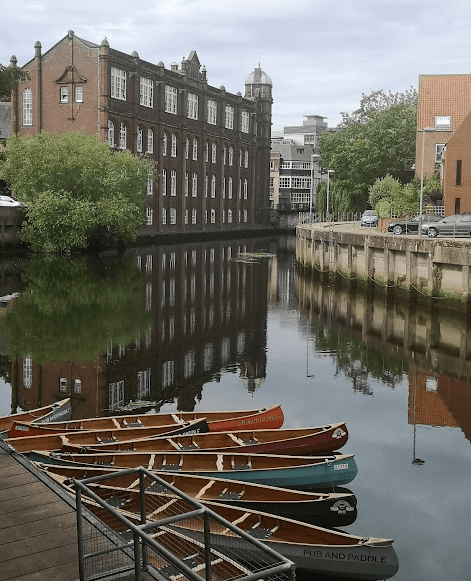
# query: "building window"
186, 185
439, 147
173, 148
229, 117
186, 216
110, 133
27, 107
213, 216
213, 153
212, 112
143, 383
139, 140
118, 84
224, 155
246, 158
150, 186
171, 100
27, 372
173, 183
193, 216
229, 216
192, 105
164, 182
78, 94
123, 130
164, 216
194, 185
149, 216
164, 144
64, 94
173, 216
207, 152
231, 155
213, 186
187, 148
240, 158
229, 189
244, 121
245, 215
223, 187
206, 186
459, 164
146, 96
224, 216
115, 395
443, 122
246, 188
195, 149
150, 141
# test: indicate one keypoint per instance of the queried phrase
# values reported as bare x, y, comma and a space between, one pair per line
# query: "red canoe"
218, 421
61, 410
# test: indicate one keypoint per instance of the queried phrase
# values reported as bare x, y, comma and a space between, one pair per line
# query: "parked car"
412, 225
8, 202
455, 225
369, 218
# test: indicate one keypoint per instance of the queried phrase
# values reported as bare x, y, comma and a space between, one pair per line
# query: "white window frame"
245, 121
164, 182
213, 216
150, 141
229, 117
146, 93
173, 146
229, 188
118, 84
186, 184
213, 153
439, 147
192, 106
231, 155
213, 186
64, 94
195, 149
246, 188
443, 122
111, 133
139, 139
212, 112
187, 148
173, 183
171, 100
229, 216
246, 158
27, 107
193, 216
149, 216
194, 185
78, 93
150, 186
123, 136
173, 216
164, 144
164, 216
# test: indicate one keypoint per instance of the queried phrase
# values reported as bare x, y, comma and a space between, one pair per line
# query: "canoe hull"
61, 410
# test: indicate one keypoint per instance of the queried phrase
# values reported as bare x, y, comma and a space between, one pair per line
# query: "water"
219, 326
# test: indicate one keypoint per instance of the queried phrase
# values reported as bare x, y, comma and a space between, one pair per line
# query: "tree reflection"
72, 306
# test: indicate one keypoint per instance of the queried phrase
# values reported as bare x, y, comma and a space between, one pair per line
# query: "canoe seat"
171, 467
241, 466
230, 496
251, 442
136, 424
260, 533
109, 440
117, 501
190, 447
156, 487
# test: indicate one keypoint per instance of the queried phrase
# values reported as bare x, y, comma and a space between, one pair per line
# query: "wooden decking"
38, 539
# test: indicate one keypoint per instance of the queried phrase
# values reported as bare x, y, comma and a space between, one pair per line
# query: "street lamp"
329, 171
422, 178
314, 158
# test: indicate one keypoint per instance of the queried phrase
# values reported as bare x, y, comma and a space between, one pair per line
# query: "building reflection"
372, 336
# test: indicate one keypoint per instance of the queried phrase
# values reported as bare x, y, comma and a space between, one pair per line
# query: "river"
232, 325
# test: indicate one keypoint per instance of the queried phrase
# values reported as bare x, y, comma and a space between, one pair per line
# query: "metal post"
207, 545
142, 497
78, 507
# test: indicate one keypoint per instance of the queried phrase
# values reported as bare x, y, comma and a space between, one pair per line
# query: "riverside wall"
436, 268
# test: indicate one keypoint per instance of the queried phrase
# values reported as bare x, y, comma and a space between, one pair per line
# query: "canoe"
311, 548
218, 421
322, 508
61, 410
297, 472
98, 437
298, 442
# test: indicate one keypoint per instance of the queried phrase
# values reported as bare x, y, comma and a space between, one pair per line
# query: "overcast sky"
320, 54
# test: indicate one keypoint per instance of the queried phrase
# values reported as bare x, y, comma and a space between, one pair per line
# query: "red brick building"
210, 148
444, 103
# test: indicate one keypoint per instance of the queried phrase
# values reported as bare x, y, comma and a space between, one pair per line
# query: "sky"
321, 55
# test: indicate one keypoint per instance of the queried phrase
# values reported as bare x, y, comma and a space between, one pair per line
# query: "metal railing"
150, 526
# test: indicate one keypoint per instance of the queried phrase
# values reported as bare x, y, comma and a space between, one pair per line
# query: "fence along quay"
431, 268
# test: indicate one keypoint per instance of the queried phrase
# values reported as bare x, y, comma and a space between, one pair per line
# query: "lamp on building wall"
314, 159
421, 202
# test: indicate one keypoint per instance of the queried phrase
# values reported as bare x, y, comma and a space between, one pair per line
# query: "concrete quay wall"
434, 268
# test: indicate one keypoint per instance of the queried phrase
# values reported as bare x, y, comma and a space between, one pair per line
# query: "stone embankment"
433, 268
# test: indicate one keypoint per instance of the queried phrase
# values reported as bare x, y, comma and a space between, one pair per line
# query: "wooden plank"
65, 572
32, 544
25, 503
36, 513
20, 491
41, 561
35, 528
17, 480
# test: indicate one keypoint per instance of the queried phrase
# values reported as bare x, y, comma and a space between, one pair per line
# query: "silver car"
455, 225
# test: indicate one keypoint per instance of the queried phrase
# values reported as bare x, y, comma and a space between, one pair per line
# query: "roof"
443, 95
258, 77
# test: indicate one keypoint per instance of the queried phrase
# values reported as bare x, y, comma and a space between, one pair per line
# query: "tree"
9, 77
377, 101
75, 189
363, 152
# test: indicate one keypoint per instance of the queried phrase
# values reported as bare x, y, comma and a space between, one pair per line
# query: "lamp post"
421, 201
314, 158
329, 171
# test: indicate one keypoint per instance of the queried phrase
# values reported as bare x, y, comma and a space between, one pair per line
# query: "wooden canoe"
325, 509
298, 442
218, 421
98, 437
61, 410
298, 472
311, 548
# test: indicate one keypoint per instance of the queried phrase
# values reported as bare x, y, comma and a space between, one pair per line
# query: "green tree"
9, 77
75, 189
377, 101
363, 152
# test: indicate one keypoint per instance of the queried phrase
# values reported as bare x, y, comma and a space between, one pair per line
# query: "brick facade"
209, 177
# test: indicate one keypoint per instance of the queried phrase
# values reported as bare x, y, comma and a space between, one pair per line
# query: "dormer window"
64, 94
443, 122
